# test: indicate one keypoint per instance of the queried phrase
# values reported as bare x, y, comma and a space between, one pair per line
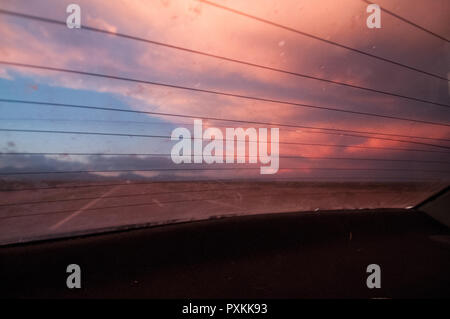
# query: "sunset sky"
200, 26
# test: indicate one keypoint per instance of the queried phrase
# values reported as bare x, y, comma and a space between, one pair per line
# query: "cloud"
201, 27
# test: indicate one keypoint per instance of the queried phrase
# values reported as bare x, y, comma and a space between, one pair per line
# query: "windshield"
125, 114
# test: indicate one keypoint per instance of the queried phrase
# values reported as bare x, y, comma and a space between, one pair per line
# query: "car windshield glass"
125, 114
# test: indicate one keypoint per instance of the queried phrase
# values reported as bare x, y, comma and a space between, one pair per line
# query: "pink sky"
199, 26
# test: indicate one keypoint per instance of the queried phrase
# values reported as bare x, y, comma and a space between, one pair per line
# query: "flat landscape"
56, 209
